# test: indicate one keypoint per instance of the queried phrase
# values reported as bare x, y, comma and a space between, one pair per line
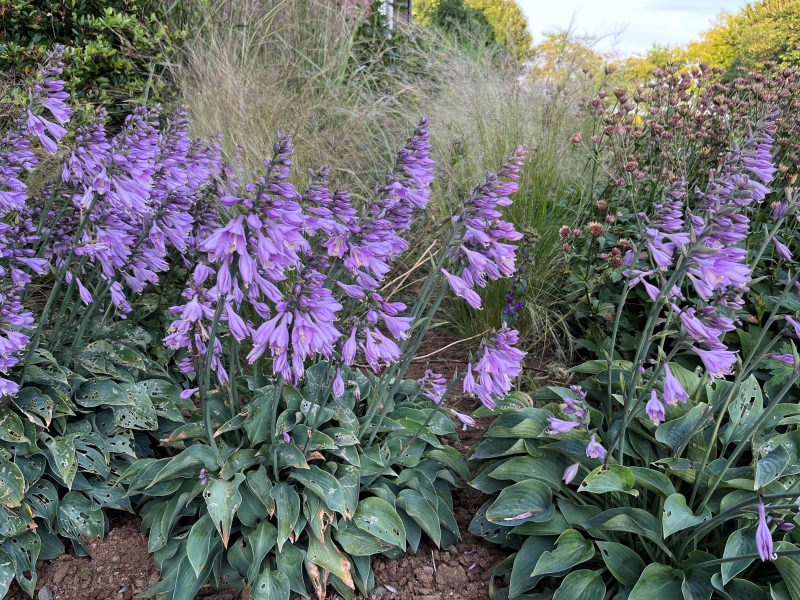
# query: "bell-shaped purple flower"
673, 390
763, 535
570, 472
654, 409
338, 384
594, 449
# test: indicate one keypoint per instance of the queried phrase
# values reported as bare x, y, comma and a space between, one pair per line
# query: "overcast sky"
642, 22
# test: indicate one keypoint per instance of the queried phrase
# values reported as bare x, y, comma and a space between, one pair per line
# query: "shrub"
673, 473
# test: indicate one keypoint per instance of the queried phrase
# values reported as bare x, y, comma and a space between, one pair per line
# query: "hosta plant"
313, 450
674, 474
88, 222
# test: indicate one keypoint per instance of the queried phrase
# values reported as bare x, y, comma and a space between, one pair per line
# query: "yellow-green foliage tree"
717, 45
498, 20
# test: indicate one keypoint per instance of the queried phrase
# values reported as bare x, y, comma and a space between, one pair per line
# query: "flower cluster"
497, 364
479, 252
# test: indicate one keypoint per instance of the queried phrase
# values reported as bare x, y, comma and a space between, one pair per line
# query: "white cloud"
641, 22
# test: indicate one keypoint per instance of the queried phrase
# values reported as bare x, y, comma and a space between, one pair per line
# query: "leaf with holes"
609, 478
6, 572
379, 518
270, 585
35, 405
42, 497
139, 415
62, 457
11, 429
12, 484
421, 511
77, 519
102, 392
222, 499
24, 550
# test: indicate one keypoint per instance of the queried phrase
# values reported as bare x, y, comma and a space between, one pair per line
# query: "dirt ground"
119, 567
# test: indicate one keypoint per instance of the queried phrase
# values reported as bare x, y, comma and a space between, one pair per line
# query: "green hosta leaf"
62, 457
77, 519
581, 585
658, 581
653, 480
677, 516
631, 520
571, 549
527, 557
187, 584
290, 562
673, 433
555, 526
356, 542
697, 585
609, 478
529, 500
140, 415
419, 509
270, 585
287, 504
42, 497
743, 410
186, 465
198, 543
262, 540
328, 557
624, 563
24, 551
258, 423
261, 486
325, 485
104, 495
102, 392
789, 568
549, 469
222, 499
6, 572
379, 518
450, 457
742, 589
12, 484
738, 544
770, 467
11, 429
35, 405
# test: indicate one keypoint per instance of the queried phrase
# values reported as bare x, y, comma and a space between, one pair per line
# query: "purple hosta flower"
570, 472
574, 407
560, 426
654, 409
499, 362
338, 384
673, 390
462, 290
763, 535
595, 450
379, 349
203, 477
466, 420
785, 526
481, 253
186, 394
784, 358
434, 386
286, 438
718, 363
512, 307
779, 210
782, 250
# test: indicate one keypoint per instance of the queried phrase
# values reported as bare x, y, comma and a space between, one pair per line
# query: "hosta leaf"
609, 478
676, 431
141, 415
677, 516
11, 429
549, 469
42, 497
329, 557
527, 557
259, 421
12, 484
6, 572
198, 543
24, 550
421, 511
658, 581
631, 520
62, 457
287, 506
770, 466
697, 585
571, 549
529, 500
290, 562
35, 405
379, 518
356, 542
581, 585
624, 564
262, 540
322, 483
102, 392
738, 544
653, 480
77, 519
222, 499
270, 585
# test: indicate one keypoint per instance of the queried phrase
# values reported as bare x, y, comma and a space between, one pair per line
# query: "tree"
717, 45
499, 21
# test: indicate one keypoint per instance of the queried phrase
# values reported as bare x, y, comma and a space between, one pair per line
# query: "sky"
641, 22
